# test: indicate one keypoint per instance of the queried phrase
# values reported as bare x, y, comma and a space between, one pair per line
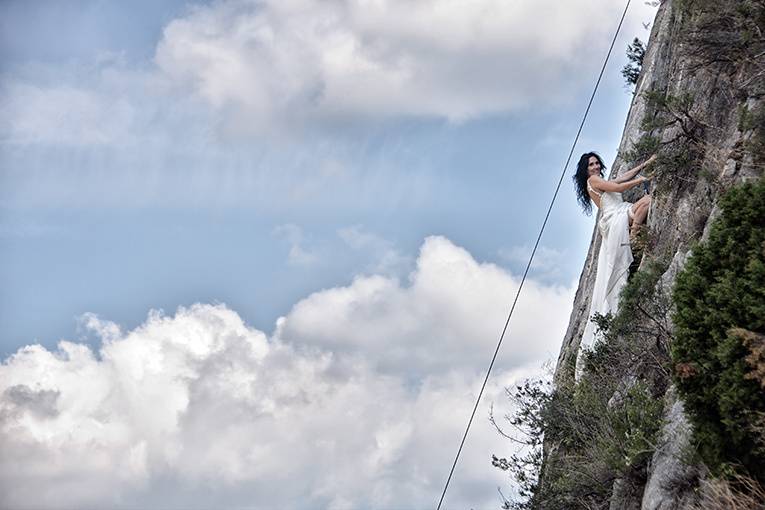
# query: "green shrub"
635, 55
665, 110
644, 307
642, 149
723, 287
754, 120
606, 426
601, 432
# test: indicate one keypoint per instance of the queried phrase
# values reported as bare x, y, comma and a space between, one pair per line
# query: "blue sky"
265, 157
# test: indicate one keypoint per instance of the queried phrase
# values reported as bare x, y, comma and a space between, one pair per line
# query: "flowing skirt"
614, 261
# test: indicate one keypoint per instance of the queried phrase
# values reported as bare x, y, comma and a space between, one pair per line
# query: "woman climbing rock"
618, 225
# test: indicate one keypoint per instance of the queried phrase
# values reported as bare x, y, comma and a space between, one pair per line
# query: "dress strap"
593, 190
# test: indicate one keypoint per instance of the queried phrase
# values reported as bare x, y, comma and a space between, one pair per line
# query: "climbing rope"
533, 252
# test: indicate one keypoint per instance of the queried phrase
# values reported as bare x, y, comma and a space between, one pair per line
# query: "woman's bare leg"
639, 213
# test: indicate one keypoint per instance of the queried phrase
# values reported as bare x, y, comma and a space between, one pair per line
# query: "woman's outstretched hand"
648, 162
649, 175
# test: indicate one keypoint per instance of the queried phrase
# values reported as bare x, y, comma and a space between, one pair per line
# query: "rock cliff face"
696, 87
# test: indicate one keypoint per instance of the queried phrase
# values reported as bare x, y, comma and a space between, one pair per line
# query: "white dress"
614, 262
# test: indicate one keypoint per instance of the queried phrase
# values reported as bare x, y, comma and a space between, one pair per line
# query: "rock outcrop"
691, 101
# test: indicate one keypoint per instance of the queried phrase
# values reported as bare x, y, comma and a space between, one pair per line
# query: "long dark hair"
580, 181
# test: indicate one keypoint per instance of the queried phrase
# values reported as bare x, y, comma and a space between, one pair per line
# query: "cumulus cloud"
315, 79
452, 308
276, 61
199, 409
279, 65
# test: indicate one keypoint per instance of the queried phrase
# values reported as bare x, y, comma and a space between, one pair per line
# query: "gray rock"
684, 206
672, 477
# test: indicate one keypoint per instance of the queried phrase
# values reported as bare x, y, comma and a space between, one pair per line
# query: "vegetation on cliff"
586, 445
605, 427
719, 324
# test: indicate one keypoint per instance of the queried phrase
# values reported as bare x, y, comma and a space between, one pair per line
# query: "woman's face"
593, 166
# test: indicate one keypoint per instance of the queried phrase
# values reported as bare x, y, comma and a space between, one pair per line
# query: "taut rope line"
533, 252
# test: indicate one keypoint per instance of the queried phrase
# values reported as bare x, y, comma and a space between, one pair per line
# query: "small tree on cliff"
635, 54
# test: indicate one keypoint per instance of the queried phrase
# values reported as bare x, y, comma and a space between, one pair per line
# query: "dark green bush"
723, 287
635, 54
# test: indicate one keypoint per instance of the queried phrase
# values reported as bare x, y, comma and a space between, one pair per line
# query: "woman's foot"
638, 238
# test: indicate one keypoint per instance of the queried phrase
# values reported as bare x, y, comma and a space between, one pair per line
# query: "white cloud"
386, 259
316, 78
298, 254
198, 409
453, 308
277, 66
271, 63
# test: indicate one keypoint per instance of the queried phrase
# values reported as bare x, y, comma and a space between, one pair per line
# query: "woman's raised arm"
601, 184
629, 174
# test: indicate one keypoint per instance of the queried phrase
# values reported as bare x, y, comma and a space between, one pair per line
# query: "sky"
258, 253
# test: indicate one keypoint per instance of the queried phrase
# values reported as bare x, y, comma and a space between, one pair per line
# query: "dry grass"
740, 493
755, 342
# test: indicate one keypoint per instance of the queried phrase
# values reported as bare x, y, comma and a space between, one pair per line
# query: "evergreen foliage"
635, 54
723, 287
